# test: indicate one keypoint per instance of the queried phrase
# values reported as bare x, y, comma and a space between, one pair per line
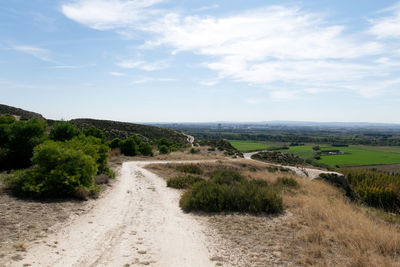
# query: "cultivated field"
247, 146
354, 155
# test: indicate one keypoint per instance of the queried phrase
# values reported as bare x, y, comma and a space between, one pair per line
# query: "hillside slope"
114, 129
21, 113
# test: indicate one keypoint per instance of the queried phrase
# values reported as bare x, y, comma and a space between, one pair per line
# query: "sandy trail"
139, 222
310, 173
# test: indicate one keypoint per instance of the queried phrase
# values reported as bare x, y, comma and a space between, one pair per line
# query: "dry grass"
320, 226
335, 231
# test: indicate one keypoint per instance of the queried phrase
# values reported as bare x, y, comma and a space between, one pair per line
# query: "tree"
18, 140
58, 171
163, 149
62, 131
129, 147
146, 149
95, 132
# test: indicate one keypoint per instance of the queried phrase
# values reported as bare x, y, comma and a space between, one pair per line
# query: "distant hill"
112, 129
20, 113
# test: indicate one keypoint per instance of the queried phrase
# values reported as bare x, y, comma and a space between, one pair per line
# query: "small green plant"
182, 182
194, 151
225, 177
163, 149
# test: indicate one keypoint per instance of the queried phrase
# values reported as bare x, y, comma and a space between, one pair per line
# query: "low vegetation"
376, 188
279, 157
181, 182
222, 145
62, 164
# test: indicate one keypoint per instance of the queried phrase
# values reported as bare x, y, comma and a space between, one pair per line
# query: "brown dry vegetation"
319, 227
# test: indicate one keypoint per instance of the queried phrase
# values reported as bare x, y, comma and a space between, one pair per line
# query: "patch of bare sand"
27, 221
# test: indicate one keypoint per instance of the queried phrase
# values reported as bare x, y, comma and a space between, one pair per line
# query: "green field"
354, 155
246, 146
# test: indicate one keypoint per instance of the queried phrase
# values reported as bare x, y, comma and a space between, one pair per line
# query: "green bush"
129, 147
163, 149
226, 177
92, 147
95, 132
228, 191
17, 140
145, 149
182, 182
62, 131
115, 143
194, 151
58, 171
189, 168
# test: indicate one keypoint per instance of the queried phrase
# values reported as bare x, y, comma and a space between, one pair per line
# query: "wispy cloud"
40, 53
205, 8
110, 14
387, 26
118, 74
143, 65
152, 79
264, 46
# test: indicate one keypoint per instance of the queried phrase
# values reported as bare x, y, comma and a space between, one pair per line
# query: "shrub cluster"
132, 146
58, 170
228, 191
63, 166
376, 188
165, 146
17, 141
181, 182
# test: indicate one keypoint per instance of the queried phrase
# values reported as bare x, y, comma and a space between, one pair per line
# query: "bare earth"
139, 222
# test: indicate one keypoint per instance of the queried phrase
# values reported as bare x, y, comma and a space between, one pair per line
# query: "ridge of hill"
116, 129
20, 113
112, 129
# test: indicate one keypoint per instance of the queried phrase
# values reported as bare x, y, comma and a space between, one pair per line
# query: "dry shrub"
82, 193
101, 179
115, 152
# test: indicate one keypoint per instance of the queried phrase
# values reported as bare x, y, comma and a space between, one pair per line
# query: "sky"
202, 61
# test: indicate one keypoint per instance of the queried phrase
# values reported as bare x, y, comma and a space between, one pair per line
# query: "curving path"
138, 222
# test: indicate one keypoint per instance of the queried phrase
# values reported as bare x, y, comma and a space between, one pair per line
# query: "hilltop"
20, 113
112, 129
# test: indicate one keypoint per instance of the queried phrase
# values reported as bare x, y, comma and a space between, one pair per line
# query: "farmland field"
356, 155
245, 146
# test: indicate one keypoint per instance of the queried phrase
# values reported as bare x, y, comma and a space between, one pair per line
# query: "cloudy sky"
199, 60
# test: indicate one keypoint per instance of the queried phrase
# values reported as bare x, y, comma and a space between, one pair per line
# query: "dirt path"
139, 222
310, 173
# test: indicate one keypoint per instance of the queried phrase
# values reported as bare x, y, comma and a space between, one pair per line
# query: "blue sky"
197, 61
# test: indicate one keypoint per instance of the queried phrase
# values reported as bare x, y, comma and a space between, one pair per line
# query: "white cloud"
109, 14
264, 46
205, 8
143, 65
118, 74
387, 26
40, 53
141, 80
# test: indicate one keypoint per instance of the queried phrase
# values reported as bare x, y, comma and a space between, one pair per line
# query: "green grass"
245, 146
357, 155
363, 155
